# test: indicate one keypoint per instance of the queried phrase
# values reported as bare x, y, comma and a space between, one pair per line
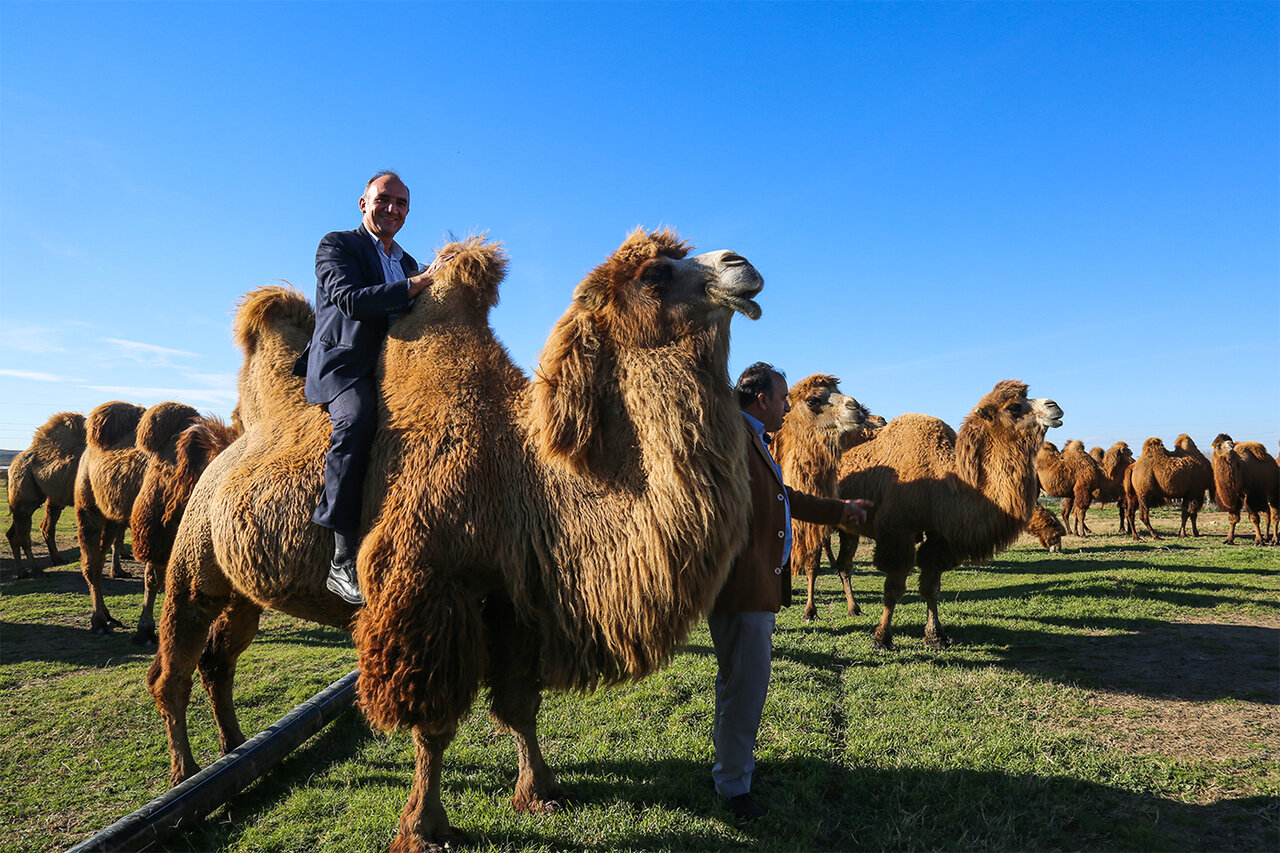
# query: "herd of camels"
559, 532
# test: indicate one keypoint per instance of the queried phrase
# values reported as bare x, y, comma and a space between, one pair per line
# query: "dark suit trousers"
354, 413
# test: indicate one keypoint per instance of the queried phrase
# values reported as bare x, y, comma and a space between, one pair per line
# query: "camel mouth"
749, 307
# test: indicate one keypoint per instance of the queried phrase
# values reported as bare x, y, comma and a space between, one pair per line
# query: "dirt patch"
1220, 681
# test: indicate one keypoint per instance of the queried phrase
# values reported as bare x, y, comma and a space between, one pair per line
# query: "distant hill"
6, 456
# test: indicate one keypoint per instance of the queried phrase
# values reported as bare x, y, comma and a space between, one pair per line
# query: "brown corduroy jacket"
759, 580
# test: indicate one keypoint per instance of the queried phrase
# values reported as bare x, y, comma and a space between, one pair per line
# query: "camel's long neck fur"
1005, 475
655, 522
809, 453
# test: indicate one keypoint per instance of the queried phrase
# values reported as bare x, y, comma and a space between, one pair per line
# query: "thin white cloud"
33, 375
34, 339
192, 396
147, 353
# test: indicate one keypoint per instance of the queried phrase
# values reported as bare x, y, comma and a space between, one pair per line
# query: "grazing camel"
560, 534
44, 473
821, 425
967, 496
1044, 525
1072, 475
1245, 475
1113, 463
1158, 476
178, 444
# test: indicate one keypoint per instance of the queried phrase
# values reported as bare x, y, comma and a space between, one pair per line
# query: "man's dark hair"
755, 380
383, 174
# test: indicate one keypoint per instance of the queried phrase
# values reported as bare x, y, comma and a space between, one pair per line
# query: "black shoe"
342, 582
744, 808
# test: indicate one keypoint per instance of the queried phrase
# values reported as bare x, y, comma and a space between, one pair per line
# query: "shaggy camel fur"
1044, 525
44, 473
968, 496
1113, 463
617, 477
1245, 475
179, 443
1071, 475
1158, 476
821, 425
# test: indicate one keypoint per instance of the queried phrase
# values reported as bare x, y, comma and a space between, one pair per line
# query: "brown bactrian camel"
178, 443
1113, 463
1159, 475
968, 496
1044, 525
1071, 475
822, 424
44, 473
1245, 476
617, 478
108, 480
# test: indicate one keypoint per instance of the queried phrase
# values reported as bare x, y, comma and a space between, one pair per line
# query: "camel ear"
564, 392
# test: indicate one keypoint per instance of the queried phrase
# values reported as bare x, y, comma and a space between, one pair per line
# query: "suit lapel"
764, 452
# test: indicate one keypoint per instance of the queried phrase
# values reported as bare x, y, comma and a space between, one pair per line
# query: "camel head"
817, 398
1223, 444
648, 300
1004, 425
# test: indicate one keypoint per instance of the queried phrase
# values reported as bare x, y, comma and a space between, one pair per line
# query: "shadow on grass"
816, 806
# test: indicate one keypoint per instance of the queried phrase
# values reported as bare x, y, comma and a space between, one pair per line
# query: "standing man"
742, 619
363, 278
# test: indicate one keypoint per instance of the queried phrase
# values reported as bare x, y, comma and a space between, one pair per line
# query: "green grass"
1120, 696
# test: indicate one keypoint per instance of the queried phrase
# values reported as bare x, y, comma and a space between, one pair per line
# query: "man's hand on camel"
855, 511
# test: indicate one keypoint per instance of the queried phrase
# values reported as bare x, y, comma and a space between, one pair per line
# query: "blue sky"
1085, 196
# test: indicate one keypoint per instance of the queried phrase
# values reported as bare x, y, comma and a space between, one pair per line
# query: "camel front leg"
934, 557
231, 634
895, 554
48, 529
516, 695
424, 825
843, 567
1258, 538
1145, 515
117, 554
850, 605
145, 633
1233, 518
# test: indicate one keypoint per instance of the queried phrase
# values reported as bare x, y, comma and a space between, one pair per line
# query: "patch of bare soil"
1205, 661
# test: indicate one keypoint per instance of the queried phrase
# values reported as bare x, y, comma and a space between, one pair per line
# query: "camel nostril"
732, 259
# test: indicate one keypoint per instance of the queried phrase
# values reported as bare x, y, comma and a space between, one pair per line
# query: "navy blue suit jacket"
353, 308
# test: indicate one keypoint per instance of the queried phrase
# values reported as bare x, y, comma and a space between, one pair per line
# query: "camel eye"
1014, 409
656, 275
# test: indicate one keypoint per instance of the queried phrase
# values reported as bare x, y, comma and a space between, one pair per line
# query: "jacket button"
782, 534
779, 497
777, 571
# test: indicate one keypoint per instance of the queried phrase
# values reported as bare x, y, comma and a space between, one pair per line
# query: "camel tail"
422, 651
267, 308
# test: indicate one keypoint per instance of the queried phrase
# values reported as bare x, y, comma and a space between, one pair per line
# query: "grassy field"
1119, 696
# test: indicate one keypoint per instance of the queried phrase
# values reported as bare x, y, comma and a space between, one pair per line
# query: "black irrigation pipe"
220, 781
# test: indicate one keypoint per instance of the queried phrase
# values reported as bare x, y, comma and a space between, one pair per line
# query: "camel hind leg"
424, 824
19, 536
49, 530
516, 695
848, 550
184, 627
231, 634
96, 534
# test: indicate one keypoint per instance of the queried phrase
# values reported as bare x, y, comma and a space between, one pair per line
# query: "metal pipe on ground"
223, 779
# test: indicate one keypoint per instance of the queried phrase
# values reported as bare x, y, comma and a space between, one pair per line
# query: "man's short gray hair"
385, 173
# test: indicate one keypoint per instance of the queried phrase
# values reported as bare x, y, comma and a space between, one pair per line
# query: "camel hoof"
855, 610
550, 803
146, 639
883, 645
941, 641
108, 625
120, 574
810, 615
454, 839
